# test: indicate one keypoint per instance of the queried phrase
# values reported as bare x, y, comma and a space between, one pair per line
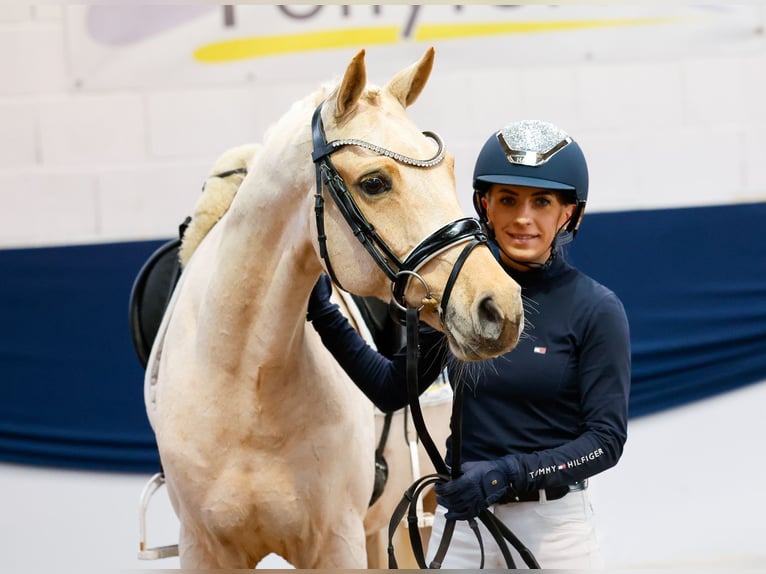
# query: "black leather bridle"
398, 271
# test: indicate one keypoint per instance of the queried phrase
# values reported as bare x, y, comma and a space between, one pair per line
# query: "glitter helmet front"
533, 153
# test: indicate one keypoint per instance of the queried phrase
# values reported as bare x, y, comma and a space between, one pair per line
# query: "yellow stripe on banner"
244, 48
430, 32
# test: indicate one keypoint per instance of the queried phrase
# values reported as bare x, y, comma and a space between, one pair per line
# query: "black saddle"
150, 296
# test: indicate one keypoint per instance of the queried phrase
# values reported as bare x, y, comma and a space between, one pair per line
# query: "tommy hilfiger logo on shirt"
540, 350
570, 464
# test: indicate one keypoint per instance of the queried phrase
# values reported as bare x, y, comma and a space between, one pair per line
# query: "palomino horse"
403, 459
265, 443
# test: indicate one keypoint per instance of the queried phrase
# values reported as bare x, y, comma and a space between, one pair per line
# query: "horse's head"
394, 217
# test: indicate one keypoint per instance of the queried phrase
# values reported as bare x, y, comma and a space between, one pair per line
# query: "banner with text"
132, 46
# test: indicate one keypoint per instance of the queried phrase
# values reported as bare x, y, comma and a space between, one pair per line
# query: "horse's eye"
375, 185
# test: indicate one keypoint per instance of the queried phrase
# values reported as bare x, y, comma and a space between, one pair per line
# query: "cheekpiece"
532, 142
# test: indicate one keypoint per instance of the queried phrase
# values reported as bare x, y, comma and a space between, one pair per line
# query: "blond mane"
218, 192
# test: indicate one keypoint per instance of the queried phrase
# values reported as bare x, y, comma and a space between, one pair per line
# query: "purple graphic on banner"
121, 25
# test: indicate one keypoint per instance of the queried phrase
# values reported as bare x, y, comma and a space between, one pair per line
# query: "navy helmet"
533, 153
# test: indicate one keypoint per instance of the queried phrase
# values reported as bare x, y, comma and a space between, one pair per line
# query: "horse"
400, 457
266, 445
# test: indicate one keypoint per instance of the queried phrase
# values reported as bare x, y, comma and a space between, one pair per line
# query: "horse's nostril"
488, 310
490, 317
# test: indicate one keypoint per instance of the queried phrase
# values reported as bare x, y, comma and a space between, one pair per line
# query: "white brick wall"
85, 164
18, 137
139, 200
616, 97
714, 92
44, 206
753, 163
189, 123
92, 131
32, 58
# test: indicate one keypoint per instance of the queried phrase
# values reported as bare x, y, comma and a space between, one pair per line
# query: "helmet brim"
525, 182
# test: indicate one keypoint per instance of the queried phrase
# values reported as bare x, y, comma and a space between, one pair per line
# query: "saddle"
150, 295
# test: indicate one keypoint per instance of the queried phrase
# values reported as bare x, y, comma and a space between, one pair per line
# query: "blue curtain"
71, 383
693, 282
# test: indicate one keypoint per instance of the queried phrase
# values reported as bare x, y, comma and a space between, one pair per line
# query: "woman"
542, 419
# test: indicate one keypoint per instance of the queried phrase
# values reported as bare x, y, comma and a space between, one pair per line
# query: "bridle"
398, 271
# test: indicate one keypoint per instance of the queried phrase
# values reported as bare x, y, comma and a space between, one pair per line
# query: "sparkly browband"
436, 159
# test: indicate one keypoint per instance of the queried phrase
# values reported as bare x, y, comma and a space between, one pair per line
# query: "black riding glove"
319, 300
482, 484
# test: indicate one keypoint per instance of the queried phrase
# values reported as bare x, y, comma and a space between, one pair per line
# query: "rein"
400, 272
499, 531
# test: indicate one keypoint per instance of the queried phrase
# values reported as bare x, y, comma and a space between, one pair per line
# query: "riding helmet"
533, 153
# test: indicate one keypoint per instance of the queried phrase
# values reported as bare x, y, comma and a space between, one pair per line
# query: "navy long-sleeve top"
558, 401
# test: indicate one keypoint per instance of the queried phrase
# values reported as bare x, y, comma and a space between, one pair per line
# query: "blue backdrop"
693, 282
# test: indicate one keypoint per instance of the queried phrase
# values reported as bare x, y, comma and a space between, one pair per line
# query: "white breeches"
559, 533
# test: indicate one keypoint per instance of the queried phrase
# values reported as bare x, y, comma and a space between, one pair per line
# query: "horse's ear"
354, 81
407, 84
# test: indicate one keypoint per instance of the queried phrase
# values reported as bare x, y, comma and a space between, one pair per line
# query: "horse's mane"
218, 192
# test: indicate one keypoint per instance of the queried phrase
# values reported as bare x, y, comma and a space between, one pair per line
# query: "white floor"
689, 489
689, 493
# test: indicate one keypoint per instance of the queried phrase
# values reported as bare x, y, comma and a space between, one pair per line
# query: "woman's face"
525, 221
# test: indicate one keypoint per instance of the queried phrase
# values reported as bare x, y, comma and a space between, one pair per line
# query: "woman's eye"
375, 185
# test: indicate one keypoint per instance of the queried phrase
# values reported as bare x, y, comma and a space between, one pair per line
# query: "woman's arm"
381, 379
604, 375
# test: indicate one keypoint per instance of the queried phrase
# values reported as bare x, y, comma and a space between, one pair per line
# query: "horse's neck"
265, 269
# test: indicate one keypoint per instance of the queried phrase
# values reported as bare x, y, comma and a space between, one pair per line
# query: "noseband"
398, 271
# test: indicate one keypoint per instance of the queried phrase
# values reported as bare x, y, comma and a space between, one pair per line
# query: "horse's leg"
193, 553
377, 550
345, 545
202, 553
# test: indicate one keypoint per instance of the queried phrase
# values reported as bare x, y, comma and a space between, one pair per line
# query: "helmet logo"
532, 142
